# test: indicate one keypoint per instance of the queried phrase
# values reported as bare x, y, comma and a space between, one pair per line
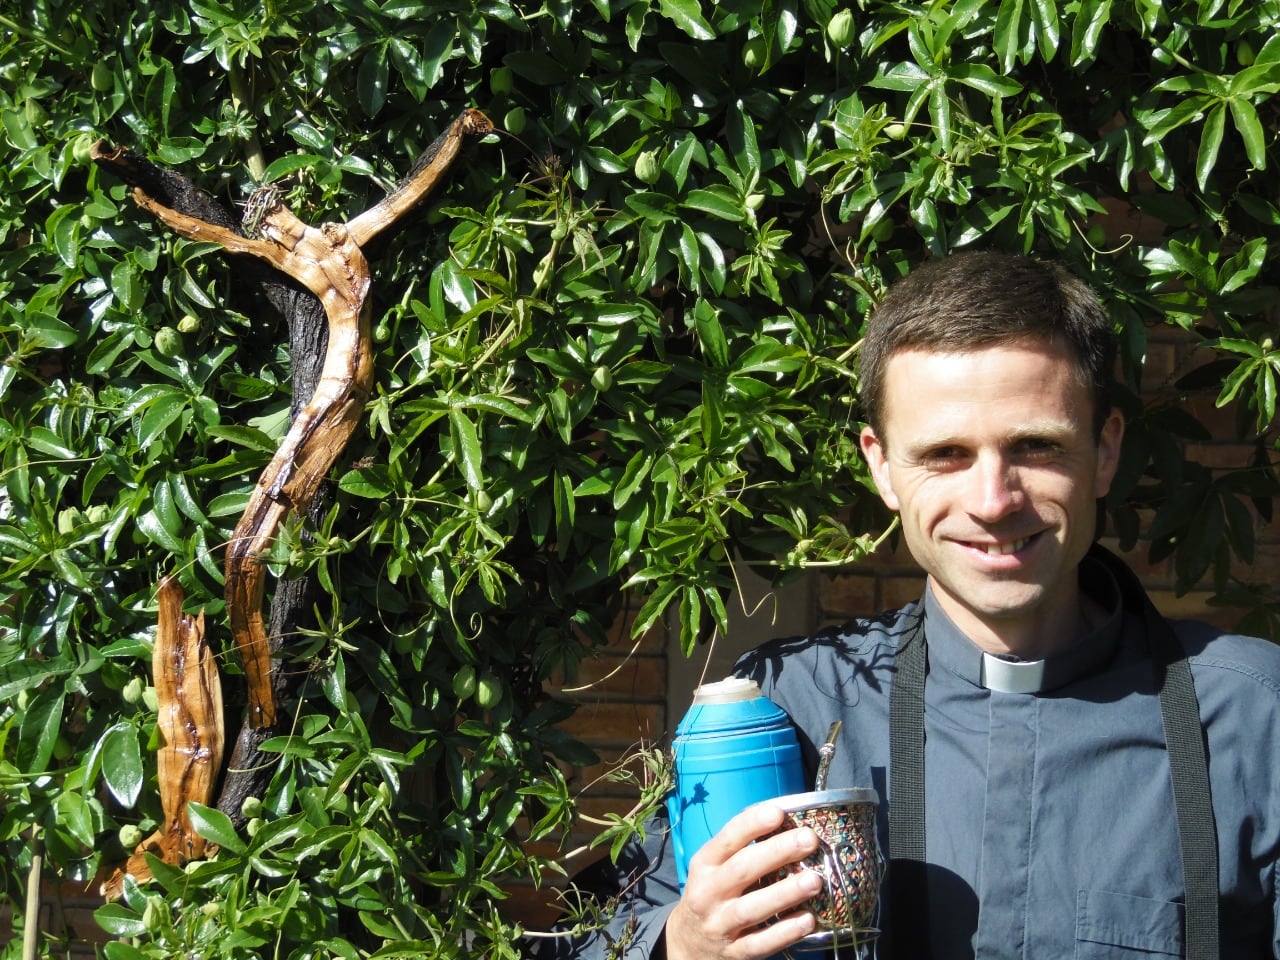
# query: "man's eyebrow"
1044, 429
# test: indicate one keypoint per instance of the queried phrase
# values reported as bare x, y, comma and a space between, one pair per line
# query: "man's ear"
1109, 440
878, 461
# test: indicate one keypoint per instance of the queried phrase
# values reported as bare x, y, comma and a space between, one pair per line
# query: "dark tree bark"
320, 286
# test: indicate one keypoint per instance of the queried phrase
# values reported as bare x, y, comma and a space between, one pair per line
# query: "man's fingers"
775, 937
773, 899
757, 924
749, 873
751, 824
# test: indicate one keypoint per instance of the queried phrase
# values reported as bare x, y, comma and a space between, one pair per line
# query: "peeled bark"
327, 271
190, 722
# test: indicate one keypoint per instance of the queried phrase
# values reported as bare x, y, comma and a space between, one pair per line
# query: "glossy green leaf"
371, 482
1247, 124
371, 80
711, 335
119, 921
122, 764
215, 826
19, 675
687, 15
466, 446
716, 201
742, 140
1210, 143
38, 729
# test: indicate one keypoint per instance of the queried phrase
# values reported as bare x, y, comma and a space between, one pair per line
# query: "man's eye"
941, 456
1037, 447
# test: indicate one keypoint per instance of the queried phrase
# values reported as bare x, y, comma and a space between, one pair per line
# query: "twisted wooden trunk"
327, 262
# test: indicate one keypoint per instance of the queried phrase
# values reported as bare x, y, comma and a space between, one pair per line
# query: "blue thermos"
734, 747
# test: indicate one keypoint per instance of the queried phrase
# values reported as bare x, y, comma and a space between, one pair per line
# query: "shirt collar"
951, 650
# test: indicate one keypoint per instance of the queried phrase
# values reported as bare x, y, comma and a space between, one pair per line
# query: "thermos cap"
729, 690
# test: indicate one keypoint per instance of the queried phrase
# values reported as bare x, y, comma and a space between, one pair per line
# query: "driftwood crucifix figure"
329, 263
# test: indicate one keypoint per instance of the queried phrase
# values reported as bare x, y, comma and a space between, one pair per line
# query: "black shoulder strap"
910, 931
1188, 768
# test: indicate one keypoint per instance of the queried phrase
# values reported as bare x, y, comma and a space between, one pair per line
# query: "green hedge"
615, 360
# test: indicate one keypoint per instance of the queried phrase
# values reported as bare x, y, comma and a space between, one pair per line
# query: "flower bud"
840, 29
168, 342
647, 167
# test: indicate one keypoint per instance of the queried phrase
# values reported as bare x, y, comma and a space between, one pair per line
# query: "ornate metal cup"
848, 859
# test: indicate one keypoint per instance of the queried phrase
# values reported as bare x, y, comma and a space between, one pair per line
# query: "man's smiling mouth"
1001, 549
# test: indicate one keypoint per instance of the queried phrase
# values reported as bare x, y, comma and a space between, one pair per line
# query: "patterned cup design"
848, 858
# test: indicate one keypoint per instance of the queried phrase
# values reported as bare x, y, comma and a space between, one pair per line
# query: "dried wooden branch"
189, 695
327, 261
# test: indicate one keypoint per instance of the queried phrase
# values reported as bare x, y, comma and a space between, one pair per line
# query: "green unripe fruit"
251, 807
753, 53
81, 149
895, 131
464, 682
484, 502
488, 691
755, 201
1096, 236
514, 121
130, 836
188, 324
381, 333
132, 691
102, 79
211, 908
500, 80
1244, 53
840, 29
253, 826
168, 342
150, 699
602, 378
559, 231
648, 169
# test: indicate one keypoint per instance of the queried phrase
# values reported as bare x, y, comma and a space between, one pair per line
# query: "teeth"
1000, 549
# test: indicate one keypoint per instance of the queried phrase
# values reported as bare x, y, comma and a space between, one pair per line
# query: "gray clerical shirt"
1049, 813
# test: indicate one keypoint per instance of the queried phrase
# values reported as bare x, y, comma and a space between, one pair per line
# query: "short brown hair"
980, 299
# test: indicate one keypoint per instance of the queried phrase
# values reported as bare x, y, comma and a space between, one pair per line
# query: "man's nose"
995, 492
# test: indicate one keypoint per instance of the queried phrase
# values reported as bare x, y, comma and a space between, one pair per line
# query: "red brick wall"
66, 922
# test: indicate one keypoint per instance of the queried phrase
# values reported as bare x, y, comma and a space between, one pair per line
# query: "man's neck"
1048, 634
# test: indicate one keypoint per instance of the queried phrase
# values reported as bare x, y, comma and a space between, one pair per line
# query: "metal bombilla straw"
825, 753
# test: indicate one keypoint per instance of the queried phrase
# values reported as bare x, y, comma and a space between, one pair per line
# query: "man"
1085, 793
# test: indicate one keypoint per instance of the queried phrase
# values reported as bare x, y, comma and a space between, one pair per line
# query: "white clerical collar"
1012, 676
951, 650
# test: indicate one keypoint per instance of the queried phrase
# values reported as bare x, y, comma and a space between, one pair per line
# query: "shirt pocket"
1115, 925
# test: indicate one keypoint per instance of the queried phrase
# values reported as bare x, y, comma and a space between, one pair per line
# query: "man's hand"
723, 910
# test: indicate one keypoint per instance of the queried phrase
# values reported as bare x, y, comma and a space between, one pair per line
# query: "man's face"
989, 457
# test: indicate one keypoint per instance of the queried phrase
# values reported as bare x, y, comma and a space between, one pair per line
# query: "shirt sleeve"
636, 894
